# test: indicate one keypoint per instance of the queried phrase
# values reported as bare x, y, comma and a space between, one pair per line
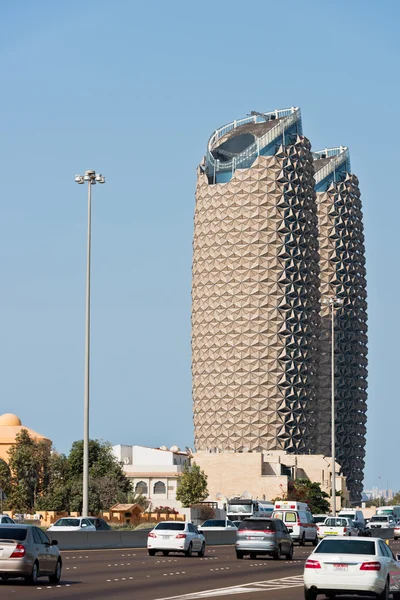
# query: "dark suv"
263, 536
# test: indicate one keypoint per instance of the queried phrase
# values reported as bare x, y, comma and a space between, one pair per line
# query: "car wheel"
303, 540
253, 555
289, 555
239, 554
277, 555
396, 595
395, 539
315, 541
189, 551
203, 550
165, 552
33, 577
57, 573
310, 594
385, 593
152, 552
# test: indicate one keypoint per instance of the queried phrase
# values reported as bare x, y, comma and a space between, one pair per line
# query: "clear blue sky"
133, 90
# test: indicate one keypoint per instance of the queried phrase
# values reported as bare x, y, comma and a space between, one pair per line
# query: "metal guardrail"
341, 154
288, 117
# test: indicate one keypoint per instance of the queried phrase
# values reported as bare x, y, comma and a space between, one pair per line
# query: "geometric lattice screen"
342, 273
255, 305
266, 248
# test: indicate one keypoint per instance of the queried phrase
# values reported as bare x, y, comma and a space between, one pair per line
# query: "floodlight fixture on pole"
334, 303
91, 177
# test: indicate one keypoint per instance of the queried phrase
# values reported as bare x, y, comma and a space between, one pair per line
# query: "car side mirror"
290, 529
54, 543
83, 525
398, 557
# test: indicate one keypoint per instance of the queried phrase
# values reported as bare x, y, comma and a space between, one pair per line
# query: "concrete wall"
97, 540
231, 474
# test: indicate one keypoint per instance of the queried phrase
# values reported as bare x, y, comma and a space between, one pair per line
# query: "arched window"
141, 488
159, 488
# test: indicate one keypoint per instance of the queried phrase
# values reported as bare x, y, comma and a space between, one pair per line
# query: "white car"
175, 536
337, 526
6, 519
72, 524
343, 565
217, 525
381, 522
396, 532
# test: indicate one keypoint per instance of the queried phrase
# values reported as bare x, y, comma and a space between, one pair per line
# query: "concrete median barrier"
70, 540
384, 534
103, 540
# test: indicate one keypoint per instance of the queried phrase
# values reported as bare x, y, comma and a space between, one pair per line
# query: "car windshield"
319, 519
67, 523
239, 508
348, 515
257, 525
332, 522
215, 523
13, 533
380, 518
173, 526
346, 547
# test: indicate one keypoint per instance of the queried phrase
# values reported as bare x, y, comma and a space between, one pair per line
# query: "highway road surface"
123, 574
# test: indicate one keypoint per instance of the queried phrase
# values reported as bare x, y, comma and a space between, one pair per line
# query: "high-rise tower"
255, 294
342, 274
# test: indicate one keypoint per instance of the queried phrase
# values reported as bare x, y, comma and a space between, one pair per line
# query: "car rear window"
319, 519
335, 522
214, 523
13, 533
346, 547
173, 526
258, 525
380, 518
67, 523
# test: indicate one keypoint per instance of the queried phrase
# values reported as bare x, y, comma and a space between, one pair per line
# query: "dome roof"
8, 419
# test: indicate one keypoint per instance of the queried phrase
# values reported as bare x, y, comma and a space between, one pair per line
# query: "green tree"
304, 490
108, 483
192, 487
58, 492
5, 477
29, 464
377, 502
395, 501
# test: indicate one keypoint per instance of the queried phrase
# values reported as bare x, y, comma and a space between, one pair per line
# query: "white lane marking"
255, 586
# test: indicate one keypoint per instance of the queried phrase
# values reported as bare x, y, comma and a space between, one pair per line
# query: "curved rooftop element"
237, 144
10, 420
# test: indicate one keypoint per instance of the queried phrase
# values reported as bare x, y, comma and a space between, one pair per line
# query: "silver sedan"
26, 551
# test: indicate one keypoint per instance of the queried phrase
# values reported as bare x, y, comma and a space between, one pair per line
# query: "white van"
298, 519
389, 510
354, 514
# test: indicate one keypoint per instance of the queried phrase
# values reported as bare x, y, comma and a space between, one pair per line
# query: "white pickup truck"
336, 526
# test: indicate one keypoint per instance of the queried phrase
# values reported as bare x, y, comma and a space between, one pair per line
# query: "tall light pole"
92, 178
334, 303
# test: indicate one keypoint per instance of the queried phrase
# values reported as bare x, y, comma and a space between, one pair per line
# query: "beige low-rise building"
10, 427
154, 472
265, 475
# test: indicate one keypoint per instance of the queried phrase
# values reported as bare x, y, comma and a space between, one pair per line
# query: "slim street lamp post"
334, 303
92, 178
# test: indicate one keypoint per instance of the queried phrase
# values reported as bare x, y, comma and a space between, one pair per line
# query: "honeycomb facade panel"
343, 274
255, 305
